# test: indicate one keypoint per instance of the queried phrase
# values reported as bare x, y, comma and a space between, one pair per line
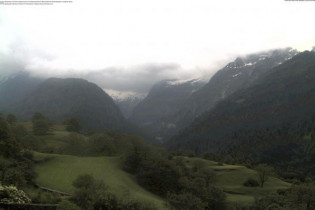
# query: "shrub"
67, 205
10, 194
72, 124
185, 201
250, 182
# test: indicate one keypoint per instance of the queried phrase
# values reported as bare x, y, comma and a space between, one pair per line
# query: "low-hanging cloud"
137, 79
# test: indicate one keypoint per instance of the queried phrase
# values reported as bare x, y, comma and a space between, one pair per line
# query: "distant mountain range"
59, 99
236, 75
164, 100
168, 109
14, 88
278, 106
126, 101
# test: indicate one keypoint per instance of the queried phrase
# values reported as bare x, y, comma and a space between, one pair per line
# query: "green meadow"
230, 179
60, 171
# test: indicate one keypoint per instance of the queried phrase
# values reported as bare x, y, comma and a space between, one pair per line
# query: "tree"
77, 145
11, 119
264, 171
8, 144
41, 124
85, 181
303, 195
92, 194
102, 144
73, 125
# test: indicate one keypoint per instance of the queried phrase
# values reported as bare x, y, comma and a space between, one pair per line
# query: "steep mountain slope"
278, 107
59, 99
126, 100
164, 100
127, 105
14, 88
236, 75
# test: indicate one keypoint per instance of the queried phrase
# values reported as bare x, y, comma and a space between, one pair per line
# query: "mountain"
164, 100
59, 99
15, 87
273, 115
126, 100
236, 75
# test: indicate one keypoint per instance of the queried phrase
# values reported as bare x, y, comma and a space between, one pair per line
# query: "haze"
129, 45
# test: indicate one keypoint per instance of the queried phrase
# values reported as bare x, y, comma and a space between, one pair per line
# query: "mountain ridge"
282, 99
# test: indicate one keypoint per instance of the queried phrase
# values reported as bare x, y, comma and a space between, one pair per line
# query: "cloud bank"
128, 45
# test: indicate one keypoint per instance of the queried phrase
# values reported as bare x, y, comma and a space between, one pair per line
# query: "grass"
56, 139
61, 170
230, 179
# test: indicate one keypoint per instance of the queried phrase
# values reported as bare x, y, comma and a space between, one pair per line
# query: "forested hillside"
235, 76
269, 121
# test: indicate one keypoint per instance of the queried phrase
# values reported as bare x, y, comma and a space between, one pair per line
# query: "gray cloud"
137, 79
10, 65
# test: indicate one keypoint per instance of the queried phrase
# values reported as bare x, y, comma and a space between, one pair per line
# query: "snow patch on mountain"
182, 81
124, 95
235, 75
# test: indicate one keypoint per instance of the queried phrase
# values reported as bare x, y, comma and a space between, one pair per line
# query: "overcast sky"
132, 43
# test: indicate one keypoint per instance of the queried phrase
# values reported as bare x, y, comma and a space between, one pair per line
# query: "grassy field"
61, 170
59, 173
56, 139
230, 179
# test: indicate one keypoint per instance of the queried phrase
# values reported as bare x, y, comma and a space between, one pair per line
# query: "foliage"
8, 145
41, 124
10, 194
16, 166
152, 170
185, 201
76, 145
73, 125
102, 144
264, 171
42, 197
173, 179
67, 205
94, 194
300, 197
250, 182
11, 118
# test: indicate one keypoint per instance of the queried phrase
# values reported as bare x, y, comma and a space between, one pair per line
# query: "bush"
250, 182
131, 204
10, 194
11, 119
42, 197
67, 205
93, 194
72, 125
185, 201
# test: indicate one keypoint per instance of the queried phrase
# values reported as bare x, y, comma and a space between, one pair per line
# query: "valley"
244, 140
